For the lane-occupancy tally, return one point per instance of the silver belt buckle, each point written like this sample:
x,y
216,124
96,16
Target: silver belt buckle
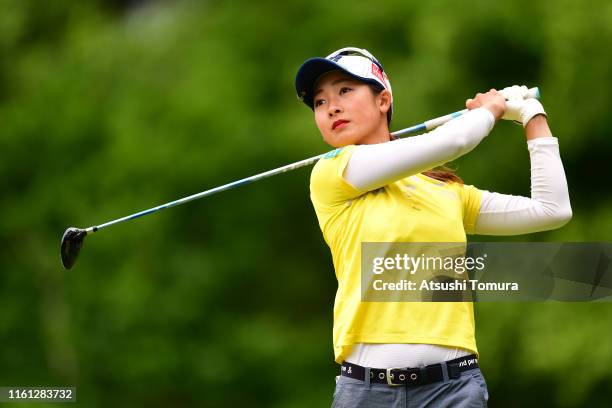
x,y
389,376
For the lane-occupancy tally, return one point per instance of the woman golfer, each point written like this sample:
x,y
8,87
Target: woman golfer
x,y
398,354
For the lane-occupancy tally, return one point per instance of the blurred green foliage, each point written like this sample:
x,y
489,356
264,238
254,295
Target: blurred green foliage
x,y
107,108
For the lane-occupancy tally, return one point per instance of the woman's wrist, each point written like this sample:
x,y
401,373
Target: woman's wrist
x,y
496,109
537,127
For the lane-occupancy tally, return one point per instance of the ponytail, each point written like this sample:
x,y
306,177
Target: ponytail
x,y
443,173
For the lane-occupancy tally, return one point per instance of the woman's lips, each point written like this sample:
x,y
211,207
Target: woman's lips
x,y
339,123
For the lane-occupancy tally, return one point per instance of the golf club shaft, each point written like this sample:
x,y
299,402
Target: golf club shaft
x,y
434,123
425,126
288,167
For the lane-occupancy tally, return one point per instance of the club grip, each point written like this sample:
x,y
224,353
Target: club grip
x,y
533,93
528,93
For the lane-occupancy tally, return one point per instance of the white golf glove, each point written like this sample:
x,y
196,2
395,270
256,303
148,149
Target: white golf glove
x,y
518,108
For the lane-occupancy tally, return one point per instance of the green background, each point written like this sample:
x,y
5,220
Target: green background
x,y
107,108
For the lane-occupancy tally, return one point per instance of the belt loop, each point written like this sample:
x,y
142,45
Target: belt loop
x,y
424,374
444,372
367,377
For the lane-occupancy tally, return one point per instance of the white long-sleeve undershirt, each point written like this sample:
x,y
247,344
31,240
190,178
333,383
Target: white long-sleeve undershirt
x,y
547,208
376,165
402,355
373,166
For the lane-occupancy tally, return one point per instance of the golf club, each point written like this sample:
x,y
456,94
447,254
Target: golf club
x,y
72,240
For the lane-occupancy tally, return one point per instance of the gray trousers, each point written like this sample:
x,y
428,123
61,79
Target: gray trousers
x,y
467,391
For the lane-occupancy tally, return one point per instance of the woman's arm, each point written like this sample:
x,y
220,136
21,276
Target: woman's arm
x,y
376,165
549,205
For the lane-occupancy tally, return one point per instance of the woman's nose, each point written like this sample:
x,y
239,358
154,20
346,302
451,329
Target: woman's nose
x,y
334,108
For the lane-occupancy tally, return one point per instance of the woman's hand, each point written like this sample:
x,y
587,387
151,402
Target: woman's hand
x,y
492,100
518,108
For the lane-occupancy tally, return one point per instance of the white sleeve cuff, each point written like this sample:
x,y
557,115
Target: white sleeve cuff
x,y
490,116
548,140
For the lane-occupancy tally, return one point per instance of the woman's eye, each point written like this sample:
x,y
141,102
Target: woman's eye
x,y
345,89
318,102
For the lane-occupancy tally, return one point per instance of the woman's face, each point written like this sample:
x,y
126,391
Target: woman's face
x,y
348,112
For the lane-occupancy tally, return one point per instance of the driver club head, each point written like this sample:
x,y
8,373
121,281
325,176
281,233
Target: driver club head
x,y
72,241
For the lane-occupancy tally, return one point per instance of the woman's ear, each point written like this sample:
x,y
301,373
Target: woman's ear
x,y
384,101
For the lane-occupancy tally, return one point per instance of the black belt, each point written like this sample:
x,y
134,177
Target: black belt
x,y
411,376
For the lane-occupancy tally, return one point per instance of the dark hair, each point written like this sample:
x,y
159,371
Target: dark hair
x,y
441,173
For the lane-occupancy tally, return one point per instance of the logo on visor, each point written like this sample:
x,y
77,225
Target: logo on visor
x,y
378,73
